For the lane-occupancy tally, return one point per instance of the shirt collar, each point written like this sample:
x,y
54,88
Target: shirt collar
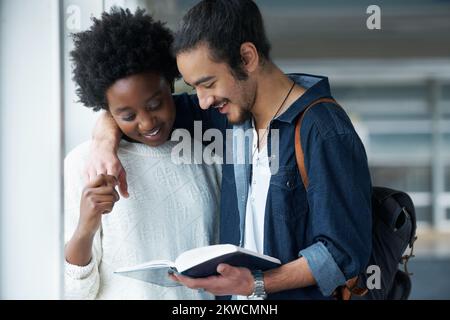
x,y
316,87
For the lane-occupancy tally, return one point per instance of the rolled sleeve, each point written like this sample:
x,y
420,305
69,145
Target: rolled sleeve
x,y
339,198
79,272
323,267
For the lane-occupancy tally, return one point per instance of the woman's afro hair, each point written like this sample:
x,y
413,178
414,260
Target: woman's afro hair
x,y
118,45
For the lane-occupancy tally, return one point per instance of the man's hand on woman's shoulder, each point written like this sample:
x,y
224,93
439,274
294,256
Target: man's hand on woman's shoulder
x,y
103,153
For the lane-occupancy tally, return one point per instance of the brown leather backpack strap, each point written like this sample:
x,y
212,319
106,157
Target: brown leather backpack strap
x,y
298,140
350,288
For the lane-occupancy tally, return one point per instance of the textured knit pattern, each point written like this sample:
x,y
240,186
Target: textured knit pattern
x,y
171,208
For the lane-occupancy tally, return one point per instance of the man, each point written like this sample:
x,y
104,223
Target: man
x,y
322,235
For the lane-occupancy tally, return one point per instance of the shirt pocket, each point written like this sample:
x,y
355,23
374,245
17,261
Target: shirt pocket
x,y
287,195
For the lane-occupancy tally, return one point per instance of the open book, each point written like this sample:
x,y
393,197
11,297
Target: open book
x,y
197,263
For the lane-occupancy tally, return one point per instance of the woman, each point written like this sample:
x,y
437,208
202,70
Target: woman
x,y
123,64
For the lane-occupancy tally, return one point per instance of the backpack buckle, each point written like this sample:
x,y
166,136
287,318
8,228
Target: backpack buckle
x,y
405,259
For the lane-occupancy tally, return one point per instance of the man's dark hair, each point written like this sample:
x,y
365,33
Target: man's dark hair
x,y
118,45
223,25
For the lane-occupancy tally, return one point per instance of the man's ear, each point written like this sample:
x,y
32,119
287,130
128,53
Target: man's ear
x,y
250,57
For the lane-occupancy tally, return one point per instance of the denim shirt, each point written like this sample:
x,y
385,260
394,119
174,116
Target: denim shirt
x,y
330,224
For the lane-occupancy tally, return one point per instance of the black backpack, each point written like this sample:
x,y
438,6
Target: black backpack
x,y
393,230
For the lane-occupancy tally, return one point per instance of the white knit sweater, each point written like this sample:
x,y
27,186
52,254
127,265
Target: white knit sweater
x,y
171,208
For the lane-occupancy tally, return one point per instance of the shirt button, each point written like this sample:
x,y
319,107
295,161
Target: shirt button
x,y
289,184
253,199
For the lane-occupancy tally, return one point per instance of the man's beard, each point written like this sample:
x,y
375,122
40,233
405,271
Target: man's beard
x,y
243,115
243,110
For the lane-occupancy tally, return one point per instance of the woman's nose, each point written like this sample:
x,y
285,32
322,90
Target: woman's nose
x,y
146,124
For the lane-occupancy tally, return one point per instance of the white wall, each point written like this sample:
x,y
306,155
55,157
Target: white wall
x,y
30,150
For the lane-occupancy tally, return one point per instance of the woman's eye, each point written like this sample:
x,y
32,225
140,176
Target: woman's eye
x,y
154,104
129,117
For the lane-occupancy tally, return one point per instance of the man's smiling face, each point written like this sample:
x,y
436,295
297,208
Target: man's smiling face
x,y
215,84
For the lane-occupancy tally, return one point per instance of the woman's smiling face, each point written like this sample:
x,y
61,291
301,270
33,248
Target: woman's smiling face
x,y
142,107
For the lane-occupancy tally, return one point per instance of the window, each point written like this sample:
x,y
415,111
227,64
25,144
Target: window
x,y
410,179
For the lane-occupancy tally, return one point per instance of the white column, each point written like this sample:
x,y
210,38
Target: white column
x,y
30,150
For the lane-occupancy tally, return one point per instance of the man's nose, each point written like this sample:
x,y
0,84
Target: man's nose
x,y
205,99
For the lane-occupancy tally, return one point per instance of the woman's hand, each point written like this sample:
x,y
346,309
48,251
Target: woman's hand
x,y
98,198
103,154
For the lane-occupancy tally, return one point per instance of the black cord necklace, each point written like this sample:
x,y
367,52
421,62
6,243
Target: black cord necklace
x,y
274,116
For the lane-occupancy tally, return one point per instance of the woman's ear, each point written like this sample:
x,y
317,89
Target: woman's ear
x,y
249,56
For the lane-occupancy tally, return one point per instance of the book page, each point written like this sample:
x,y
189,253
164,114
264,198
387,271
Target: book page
x,y
203,261
155,272
196,256
146,265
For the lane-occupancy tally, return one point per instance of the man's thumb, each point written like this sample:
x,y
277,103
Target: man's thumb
x,y
224,269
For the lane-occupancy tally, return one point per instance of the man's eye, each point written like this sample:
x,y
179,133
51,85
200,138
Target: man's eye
x,y
129,117
209,86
